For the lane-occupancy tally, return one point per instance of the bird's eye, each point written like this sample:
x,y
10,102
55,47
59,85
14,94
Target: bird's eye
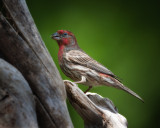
x,y
65,34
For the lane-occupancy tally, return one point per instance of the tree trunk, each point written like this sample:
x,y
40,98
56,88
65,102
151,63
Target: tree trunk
x,y
22,46
17,106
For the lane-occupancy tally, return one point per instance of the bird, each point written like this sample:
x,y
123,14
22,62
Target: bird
x,y
81,68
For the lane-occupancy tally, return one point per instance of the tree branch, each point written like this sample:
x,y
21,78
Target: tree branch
x,y
96,111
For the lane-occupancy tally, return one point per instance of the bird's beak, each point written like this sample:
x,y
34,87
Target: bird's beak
x,y
55,36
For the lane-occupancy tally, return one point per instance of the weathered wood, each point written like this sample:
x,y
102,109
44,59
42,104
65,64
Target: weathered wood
x,y
20,15
96,111
24,49
17,106
44,120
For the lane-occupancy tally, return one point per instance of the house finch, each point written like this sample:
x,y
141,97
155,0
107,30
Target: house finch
x,y
80,67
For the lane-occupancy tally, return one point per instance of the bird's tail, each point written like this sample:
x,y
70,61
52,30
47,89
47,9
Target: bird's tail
x,y
122,87
115,83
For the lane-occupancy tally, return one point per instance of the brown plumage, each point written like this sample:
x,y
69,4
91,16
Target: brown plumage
x,y
80,67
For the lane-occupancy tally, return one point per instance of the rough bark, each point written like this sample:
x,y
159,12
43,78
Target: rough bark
x,y
23,47
17,106
96,111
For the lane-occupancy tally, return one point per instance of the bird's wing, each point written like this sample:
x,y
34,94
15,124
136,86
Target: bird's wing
x,y
81,58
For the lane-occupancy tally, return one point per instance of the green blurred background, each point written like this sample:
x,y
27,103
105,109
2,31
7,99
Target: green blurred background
x,y
122,35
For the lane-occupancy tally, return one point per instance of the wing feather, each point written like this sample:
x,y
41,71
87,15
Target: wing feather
x,y
81,58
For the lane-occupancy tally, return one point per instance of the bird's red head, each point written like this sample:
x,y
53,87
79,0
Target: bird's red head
x,y
66,41
65,38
